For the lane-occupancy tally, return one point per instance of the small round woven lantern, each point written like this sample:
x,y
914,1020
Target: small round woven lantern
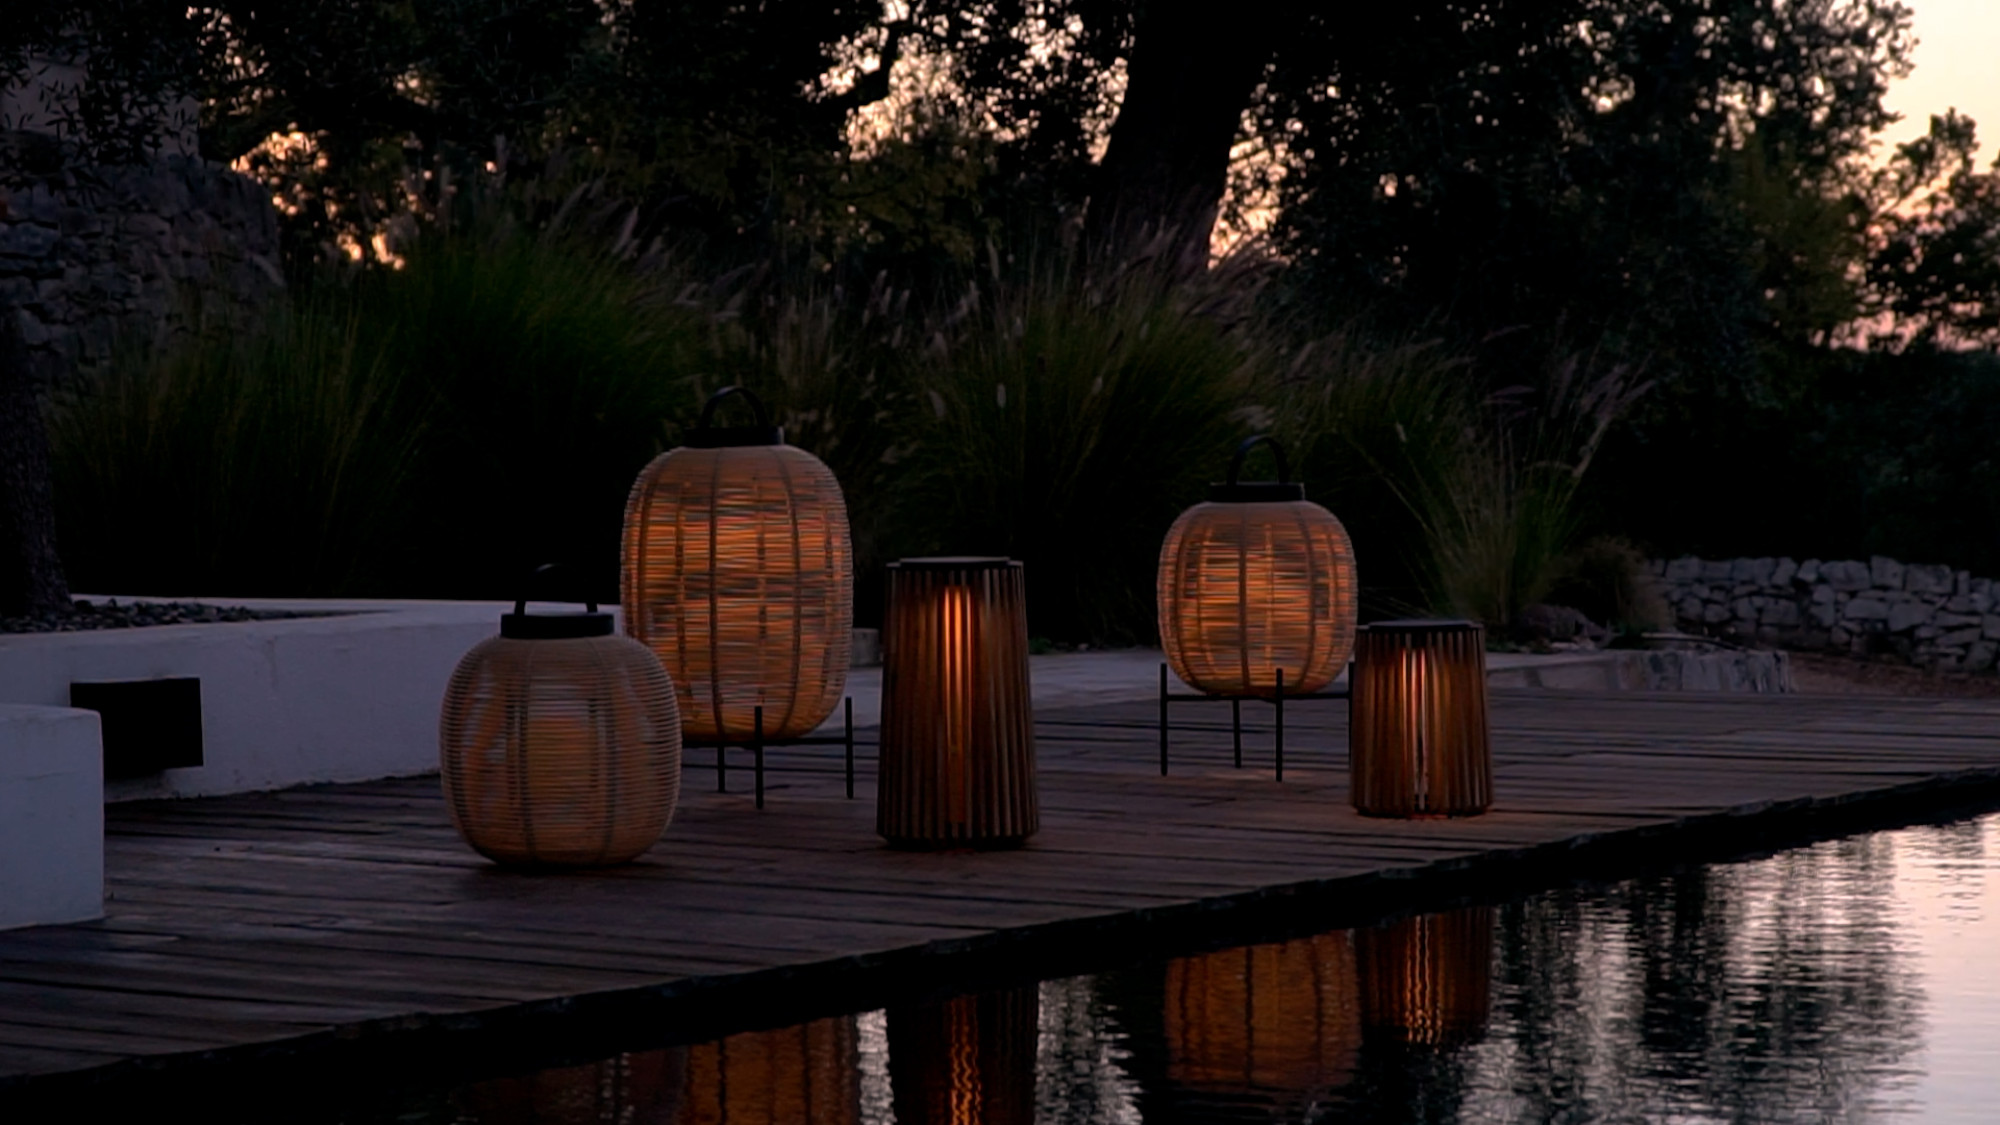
x,y
1254,582
958,731
1417,737
737,571
559,743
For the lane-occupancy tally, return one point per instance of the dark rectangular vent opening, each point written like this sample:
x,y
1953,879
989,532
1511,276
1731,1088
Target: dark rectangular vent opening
x,y
149,725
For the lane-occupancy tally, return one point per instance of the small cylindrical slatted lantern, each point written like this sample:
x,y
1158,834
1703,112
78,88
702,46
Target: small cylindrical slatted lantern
x,y
1427,979
810,1072
560,743
967,1061
958,734
1274,1026
1256,583
1417,737
738,572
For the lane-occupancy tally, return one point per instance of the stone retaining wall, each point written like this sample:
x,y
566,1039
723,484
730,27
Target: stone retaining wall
x,y
89,253
1930,616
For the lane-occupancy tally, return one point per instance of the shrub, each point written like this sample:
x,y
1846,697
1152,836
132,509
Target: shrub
x,y
432,431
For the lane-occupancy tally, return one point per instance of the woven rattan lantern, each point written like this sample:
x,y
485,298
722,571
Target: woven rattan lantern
x,y
1254,583
559,743
738,573
967,1061
1417,739
1274,1026
1428,979
958,734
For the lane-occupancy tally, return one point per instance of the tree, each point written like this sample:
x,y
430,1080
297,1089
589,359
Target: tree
x,y
1934,265
1190,79
31,573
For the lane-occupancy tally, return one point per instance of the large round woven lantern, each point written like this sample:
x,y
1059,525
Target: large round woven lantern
x,y
1256,583
739,574
559,743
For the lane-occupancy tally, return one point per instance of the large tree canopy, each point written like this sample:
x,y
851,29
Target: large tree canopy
x,y
1684,180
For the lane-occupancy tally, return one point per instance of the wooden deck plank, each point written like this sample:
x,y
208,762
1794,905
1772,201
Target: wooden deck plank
x,y
257,918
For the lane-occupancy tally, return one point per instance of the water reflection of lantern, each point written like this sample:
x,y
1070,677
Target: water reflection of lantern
x,y
1277,1024
1418,743
967,1061
635,1089
559,743
804,1075
738,573
958,734
1428,979
1256,581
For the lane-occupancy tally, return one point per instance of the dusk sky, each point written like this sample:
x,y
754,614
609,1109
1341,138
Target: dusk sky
x,y
1958,66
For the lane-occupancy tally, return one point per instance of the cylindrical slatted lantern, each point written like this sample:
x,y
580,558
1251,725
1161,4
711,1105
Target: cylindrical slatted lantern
x,y
958,734
559,743
739,574
967,1061
1256,582
810,1073
1276,1026
1417,738
1428,979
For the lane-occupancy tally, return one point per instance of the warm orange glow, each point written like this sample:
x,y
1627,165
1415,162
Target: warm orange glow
x,y
1418,740
967,1061
1273,1022
956,617
958,739
1428,979
738,574
809,1073
1248,589
561,752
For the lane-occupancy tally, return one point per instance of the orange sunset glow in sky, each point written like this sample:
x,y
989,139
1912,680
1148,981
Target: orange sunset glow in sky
x,y
1957,67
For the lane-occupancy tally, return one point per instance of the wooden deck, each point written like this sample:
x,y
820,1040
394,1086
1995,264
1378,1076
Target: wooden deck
x,y
300,924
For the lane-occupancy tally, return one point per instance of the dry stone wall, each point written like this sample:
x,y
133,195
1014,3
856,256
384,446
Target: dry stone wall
x,y
89,253
1931,616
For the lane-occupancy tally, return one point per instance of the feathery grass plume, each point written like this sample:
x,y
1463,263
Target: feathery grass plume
x,y
1379,426
430,430
1501,528
1065,420
274,462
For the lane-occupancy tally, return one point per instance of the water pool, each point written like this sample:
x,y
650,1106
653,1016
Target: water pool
x,y
1855,980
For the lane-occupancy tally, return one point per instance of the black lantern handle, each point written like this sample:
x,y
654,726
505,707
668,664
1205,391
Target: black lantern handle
x,y
715,400
521,603
1277,454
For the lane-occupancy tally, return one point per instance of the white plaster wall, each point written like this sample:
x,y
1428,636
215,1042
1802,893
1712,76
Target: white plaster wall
x,y
51,816
284,702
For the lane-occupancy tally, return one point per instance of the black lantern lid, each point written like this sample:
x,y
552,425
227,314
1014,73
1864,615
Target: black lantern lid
x,y
521,625
954,562
707,435
1421,625
1279,491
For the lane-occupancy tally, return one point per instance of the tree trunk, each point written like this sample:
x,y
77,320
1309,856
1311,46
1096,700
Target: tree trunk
x,y
1192,72
31,574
